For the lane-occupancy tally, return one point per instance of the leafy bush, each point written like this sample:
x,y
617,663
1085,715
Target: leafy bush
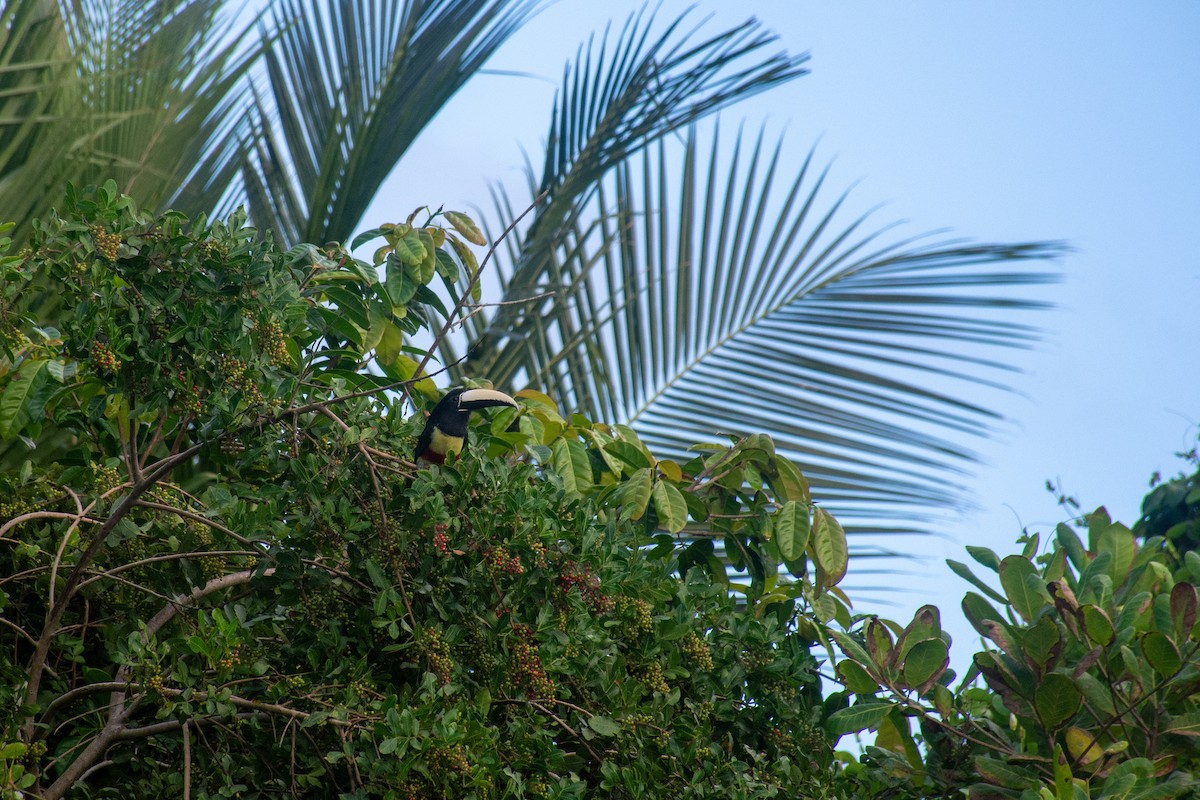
x,y
1091,686
223,576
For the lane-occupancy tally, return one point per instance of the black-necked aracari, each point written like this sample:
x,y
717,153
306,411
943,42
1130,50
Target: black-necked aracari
x,y
446,429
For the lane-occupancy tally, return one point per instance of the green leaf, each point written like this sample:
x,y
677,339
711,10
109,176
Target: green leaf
x,y
1097,625
984,556
1161,653
829,546
925,663
635,494
1056,700
1042,643
399,282
410,250
12,750
24,398
631,454
1020,578
604,726
787,481
855,677
978,610
1001,774
571,462
1118,540
466,227
791,530
963,571
858,717
1070,542
670,506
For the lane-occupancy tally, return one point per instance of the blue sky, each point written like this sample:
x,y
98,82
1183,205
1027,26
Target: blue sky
x,y
1000,122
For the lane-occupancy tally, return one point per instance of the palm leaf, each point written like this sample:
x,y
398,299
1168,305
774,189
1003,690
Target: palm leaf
x,y
696,296
352,85
144,93
619,95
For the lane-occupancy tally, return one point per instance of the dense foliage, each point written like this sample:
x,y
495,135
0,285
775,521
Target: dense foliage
x,y
222,576
1091,681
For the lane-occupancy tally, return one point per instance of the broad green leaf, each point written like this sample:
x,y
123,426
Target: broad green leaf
x,y
926,624
670,507
1161,653
1056,700
635,494
1118,540
604,726
829,546
13,750
24,398
405,368
571,462
787,481
466,227
399,281
1019,578
1042,643
629,453
858,717
791,530
925,663
855,677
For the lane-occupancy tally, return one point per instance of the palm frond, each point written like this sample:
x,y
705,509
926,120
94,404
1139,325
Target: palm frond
x,y
352,85
704,294
620,94
141,92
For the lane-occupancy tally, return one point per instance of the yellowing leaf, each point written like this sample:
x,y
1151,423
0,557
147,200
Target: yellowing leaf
x,y
466,227
635,494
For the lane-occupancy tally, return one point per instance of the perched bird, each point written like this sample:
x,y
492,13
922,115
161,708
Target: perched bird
x,y
446,429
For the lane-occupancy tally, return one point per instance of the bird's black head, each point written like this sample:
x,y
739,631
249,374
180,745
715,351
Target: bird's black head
x,y
446,429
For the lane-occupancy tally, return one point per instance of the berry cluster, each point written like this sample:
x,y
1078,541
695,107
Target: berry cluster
x,y
270,341
440,542
639,609
587,583
499,562
528,672
104,478
696,650
449,760
435,649
296,683
231,659
652,676
103,359
236,376
107,244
